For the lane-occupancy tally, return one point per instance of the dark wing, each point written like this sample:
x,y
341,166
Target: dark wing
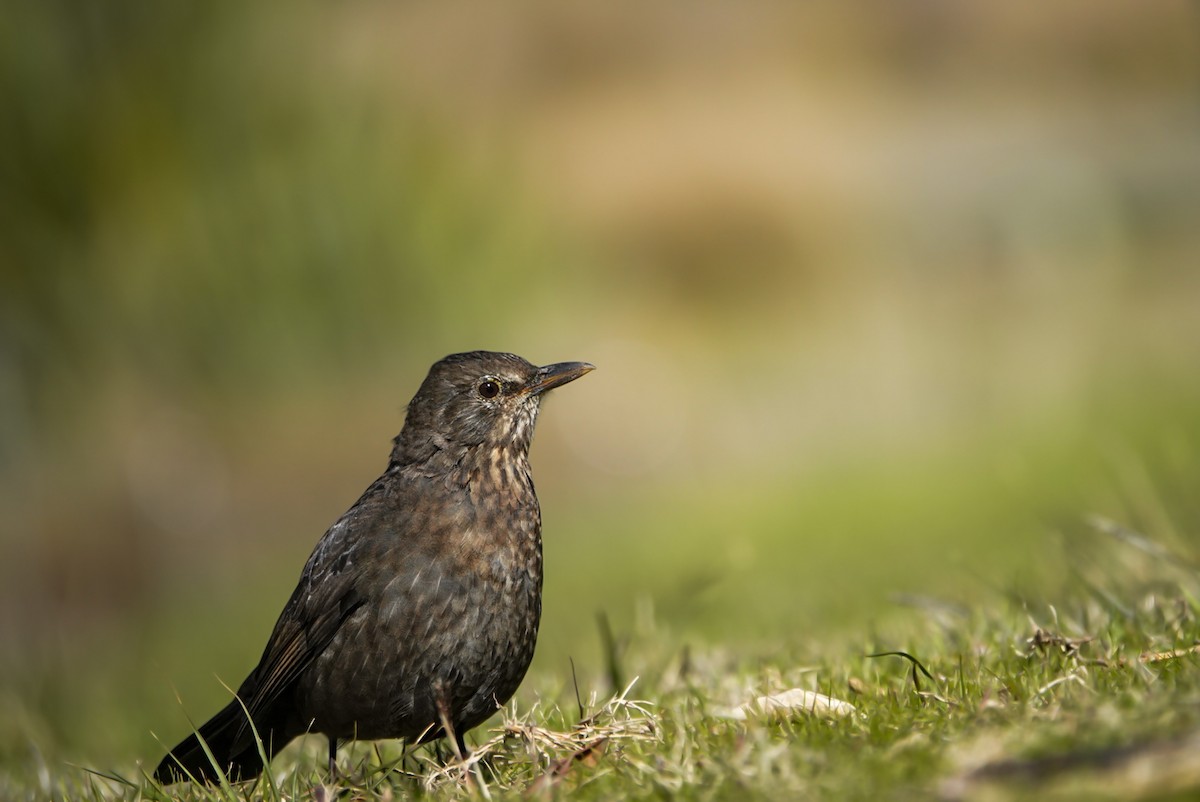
x,y
325,598
319,606
294,644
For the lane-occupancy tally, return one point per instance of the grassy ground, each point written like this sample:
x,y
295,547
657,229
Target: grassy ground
x,y
1090,690
884,306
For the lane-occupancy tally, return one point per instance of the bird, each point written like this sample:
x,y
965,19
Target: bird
x,y
417,613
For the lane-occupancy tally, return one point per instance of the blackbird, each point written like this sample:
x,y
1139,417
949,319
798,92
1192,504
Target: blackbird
x,y
417,613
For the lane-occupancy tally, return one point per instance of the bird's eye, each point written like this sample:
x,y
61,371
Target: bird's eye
x,y
489,388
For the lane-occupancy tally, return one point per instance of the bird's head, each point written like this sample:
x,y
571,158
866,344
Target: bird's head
x,y
477,398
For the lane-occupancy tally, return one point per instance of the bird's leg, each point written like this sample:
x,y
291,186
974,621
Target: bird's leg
x,y
443,707
332,759
461,746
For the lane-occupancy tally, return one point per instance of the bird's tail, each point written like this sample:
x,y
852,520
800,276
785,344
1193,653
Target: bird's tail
x,y
230,739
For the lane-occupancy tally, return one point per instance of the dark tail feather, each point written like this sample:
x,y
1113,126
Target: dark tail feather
x,y
234,750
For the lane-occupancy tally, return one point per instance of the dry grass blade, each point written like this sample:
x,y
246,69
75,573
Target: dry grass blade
x,y
522,754
589,756
1173,654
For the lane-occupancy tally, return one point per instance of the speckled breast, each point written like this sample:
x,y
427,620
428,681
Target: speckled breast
x,y
455,622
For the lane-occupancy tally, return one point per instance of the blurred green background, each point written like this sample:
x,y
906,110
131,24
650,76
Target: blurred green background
x,y
883,302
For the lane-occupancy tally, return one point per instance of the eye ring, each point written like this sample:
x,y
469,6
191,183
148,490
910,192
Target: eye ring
x,y
488,388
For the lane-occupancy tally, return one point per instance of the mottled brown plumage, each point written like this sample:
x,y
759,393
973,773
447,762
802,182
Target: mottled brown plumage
x,y
420,606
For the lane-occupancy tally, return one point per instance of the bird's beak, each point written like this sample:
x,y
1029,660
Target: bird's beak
x,y
555,375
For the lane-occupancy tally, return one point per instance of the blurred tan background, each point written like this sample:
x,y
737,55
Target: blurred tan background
x,y
884,300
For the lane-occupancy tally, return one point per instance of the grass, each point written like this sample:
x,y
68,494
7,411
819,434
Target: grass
x,y
1090,690
243,253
